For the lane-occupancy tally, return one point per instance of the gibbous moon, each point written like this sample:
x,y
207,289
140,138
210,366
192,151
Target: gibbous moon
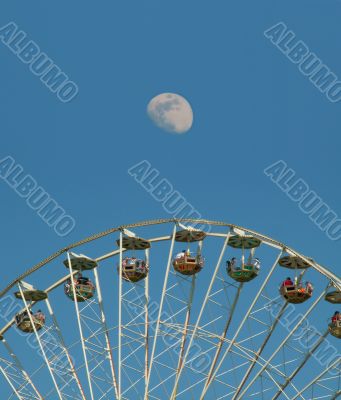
x,y
171,112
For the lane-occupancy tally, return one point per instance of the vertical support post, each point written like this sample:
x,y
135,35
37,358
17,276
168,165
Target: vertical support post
x,y
39,342
20,367
106,331
120,321
283,343
61,339
241,325
160,310
80,326
221,255
10,383
146,330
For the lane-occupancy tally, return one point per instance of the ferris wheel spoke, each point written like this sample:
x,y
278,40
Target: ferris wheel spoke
x,y
241,324
16,381
319,379
43,351
203,374
301,365
260,351
175,325
21,377
181,329
64,348
304,317
278,385
94,338
105,331
157,327
213,337
206,299
185,328
6,374
132,330
168,358
170,377
134,337
146,321
238,350
223,336
80,328
120,319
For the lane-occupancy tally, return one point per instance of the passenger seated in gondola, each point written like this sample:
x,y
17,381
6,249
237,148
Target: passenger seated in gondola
x,y
336,317
309,287
40,316
79,279
23,317
181,255
233,264
288,282
256,263
82,280
140,266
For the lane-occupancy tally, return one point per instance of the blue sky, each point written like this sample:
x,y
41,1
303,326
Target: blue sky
x,y
252,107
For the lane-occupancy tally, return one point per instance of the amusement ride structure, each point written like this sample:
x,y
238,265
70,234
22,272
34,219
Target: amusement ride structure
x,y
172,309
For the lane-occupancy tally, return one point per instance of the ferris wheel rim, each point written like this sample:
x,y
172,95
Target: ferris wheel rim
x,y
325,271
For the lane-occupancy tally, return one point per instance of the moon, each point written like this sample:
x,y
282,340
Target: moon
x,y
171,112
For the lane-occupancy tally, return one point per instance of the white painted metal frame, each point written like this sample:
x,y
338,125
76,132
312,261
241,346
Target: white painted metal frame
x,y
40,344
304,317
185,331
18,365
221,255
160,311
241,324
80,327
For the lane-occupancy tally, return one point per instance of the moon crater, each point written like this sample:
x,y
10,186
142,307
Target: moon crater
x,y
171,112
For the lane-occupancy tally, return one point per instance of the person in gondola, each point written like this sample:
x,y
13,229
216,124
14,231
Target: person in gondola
x,y
288,282
68,283
234,264
40,316
140,266
256,263
18,318
23,317
336,317
182,254
82,280
309,287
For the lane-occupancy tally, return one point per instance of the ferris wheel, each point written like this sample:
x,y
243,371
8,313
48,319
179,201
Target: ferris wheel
x,y
172,309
